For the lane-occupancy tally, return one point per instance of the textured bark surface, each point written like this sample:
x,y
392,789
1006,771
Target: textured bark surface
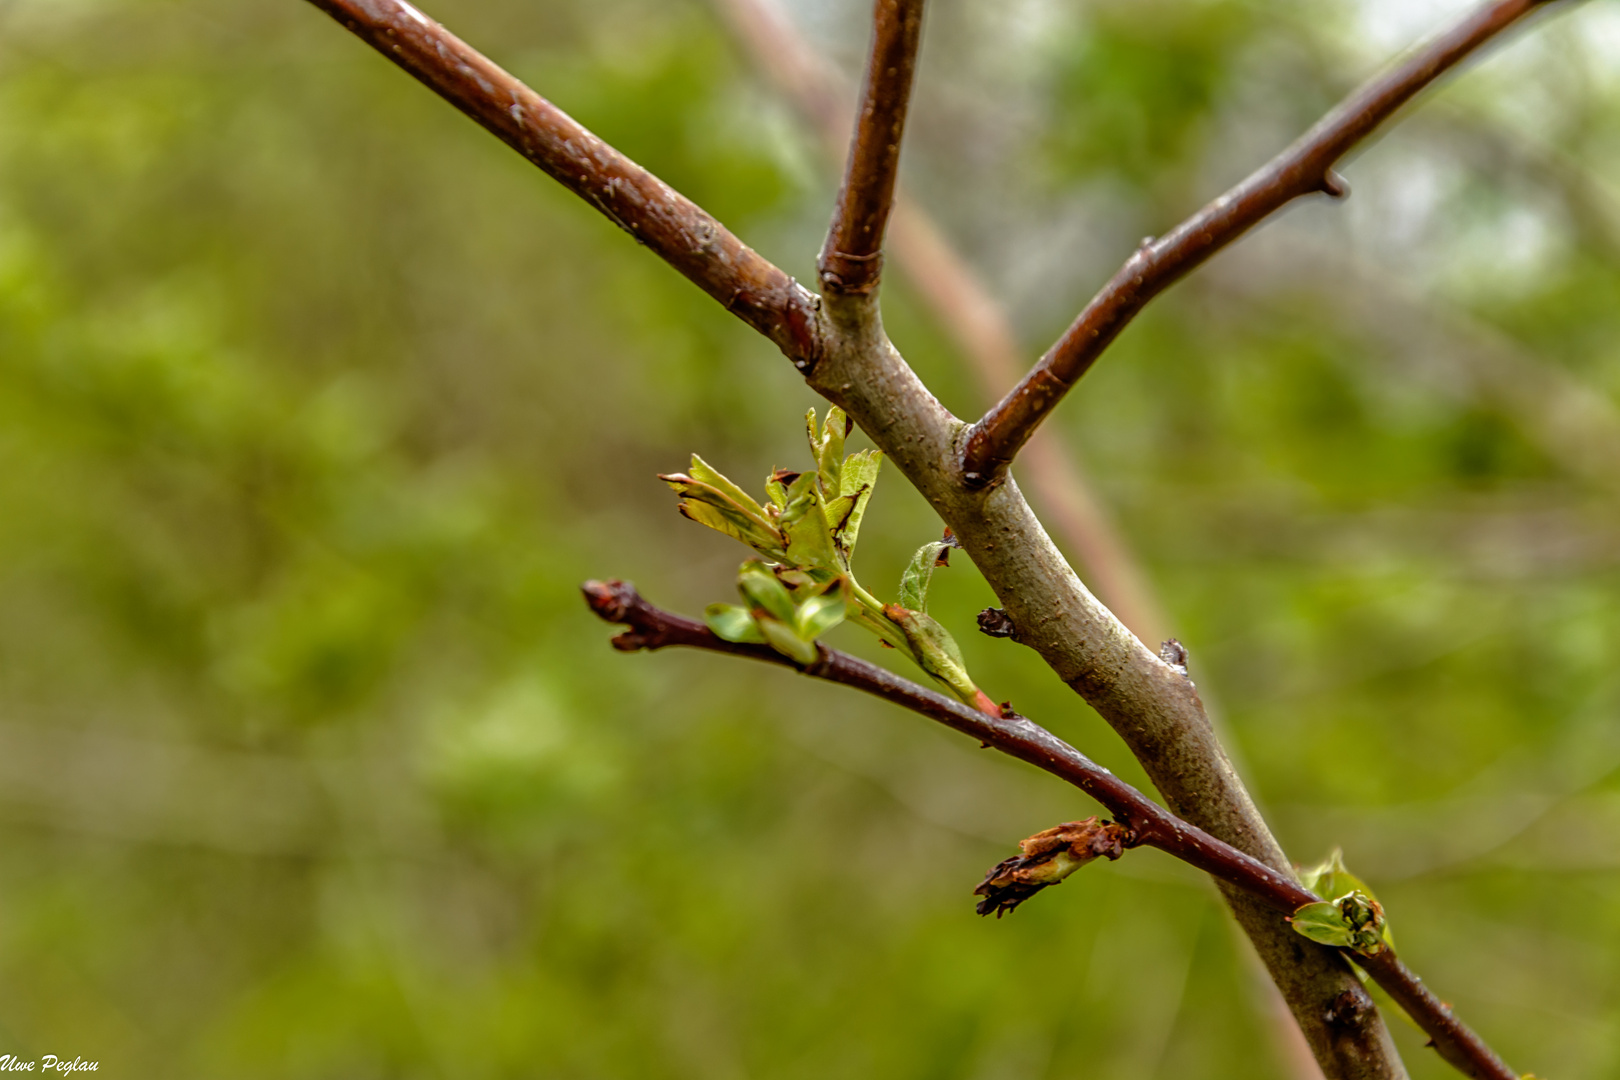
x,y
1152,707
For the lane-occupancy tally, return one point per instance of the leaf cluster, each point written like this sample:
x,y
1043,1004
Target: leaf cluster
x,y
805,534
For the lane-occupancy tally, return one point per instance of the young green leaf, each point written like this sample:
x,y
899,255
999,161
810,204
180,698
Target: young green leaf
x,y
776,486
705,473
858,479
800,496
707,504
829,452
935,651
763,592
733,624
781,637
809,541
1322,922
919,575
820,614
767,542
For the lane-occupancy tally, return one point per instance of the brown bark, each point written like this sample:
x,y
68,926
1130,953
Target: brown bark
x,y
852,259
1138,820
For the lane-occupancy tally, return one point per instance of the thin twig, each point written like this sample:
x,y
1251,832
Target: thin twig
x,y
852,258
673,227
974,319
1304,168
1147,823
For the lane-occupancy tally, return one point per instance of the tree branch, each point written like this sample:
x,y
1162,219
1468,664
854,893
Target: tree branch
x,y
967,311
672,226
1304,168
848,359
1146,823
852,258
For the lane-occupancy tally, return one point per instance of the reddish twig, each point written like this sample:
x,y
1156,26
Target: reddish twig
x,y
1147,824
1304,168
852,258
672,226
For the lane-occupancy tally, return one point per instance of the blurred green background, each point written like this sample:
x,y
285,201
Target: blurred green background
x,y
316,405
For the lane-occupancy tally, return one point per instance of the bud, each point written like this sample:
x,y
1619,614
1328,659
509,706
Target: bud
x,y
1048,857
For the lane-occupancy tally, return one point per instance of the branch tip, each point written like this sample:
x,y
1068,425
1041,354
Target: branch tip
x,y
611,600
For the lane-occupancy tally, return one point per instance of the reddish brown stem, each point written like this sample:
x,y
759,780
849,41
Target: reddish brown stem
x,y
1304,168
852,258
672,226
1149,824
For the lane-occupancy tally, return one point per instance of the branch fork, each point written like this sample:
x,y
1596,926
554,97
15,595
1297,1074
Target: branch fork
x,y
840,347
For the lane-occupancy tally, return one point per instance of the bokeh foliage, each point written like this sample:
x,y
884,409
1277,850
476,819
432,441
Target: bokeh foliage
x,y
316,404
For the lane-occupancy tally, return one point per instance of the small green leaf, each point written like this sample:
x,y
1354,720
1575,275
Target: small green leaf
x,y
809,541
735,525
860,471
919,575
776,486
829,452
1322,922
705,473
935,651
799,498
763,592
838,511
820,614
1352,921
733,624
709,505
780,636
859,478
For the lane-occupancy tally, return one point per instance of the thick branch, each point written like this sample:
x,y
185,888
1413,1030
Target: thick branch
x,y
675,228
852,258
1304,168
1148,824
1155,710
